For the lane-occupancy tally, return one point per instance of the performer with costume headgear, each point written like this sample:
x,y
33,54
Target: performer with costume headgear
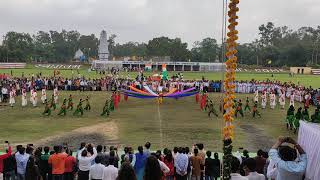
x,y
106,109
53,103
88,106
79,108
43,95
47,110
272,100
56,95
247,107
12,99
70,103
24,100
239,109
282,99
255,110
63,109
34,98
264,100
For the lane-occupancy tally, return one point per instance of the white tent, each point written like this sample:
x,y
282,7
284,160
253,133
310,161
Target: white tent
x,y
309,139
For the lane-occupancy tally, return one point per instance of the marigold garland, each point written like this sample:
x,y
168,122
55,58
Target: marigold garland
x,y
231,65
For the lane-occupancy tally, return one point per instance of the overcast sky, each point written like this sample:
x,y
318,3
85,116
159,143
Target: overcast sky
x,y
141,20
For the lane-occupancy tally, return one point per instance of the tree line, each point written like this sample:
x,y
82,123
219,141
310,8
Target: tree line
x,y
276,46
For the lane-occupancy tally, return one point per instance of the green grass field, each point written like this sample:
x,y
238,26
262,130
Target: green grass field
x,y
174,123
306,80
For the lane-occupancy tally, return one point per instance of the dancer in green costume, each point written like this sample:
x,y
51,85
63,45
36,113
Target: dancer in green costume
x,y
111,106
70,103
239,108
290,117
255,110
106,109
305,114
63,110
79,108
88,106
247,107
212,110
47,110
53,103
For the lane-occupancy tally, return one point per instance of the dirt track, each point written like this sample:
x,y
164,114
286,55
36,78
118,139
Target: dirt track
x,y
103,133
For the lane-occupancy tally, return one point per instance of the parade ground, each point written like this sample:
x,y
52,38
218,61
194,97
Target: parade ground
x,y
175,122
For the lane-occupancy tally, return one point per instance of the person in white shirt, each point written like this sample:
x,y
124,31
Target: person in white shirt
x,y
96,170
110,172
235,165
250,165
85,162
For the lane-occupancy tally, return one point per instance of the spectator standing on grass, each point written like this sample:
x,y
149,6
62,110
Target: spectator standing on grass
x,y
202,154
140,163
85,162
250,166
44,165
70,165
152,170
261,161
181,163
196,163
21,160
32,170
126,172
9,165
147,149
285,159
101,155
235,165
57,162
110,172
5,156
96,170
168,160
212,167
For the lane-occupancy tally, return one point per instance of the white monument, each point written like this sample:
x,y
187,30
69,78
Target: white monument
x,y
103,51
102,62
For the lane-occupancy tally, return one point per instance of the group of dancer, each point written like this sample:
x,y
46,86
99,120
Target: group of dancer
x,y
110,105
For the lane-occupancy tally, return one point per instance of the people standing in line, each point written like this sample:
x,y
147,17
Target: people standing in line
x,y
57,162
212,166
85,162
139,165
110,172
181,163
44,165
96,170
21,159
196,163
126,172
70,164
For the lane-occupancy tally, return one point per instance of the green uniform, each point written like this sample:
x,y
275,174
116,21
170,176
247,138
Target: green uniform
x,y
79,109
63,110
298,117
290,118
255,110
212,110
247,107
70,103
315,118
239,109
207,106
111,106
106,109
88,106
53,104
305,114
47,110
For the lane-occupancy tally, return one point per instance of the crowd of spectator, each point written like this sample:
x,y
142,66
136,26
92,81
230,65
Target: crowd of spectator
x,y
285,160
